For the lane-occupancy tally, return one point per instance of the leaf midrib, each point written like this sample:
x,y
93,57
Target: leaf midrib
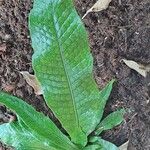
x,y
64,66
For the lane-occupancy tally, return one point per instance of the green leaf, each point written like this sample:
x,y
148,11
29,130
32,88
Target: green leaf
x,y
104,145
93,147
110,121
104,94
36,122
63,65
13,134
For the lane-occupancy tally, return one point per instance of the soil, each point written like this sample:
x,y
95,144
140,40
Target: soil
x,y
121,31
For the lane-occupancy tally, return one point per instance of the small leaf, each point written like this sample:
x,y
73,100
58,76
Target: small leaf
x,y
110,121
105,145
98,6
33,82
141,69
124,146
104,95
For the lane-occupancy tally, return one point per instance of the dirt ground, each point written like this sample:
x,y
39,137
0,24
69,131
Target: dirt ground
x,y
121,31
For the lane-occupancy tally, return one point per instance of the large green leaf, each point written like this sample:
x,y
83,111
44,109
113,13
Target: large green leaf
x,y
63,65
34,121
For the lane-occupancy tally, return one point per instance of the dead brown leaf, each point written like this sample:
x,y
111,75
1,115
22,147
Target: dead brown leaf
x,y
98,6
141,69
124,146
33,82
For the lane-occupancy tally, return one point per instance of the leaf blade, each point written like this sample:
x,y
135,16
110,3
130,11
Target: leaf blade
x,y
105,145
20,138
141,69
110,121
63,65
104,94
36,121
98,6
32,81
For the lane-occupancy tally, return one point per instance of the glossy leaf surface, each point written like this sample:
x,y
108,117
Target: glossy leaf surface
x,y
31,124
63,65
15,135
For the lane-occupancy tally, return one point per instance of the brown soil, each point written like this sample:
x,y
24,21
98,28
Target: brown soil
x,y
121,31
